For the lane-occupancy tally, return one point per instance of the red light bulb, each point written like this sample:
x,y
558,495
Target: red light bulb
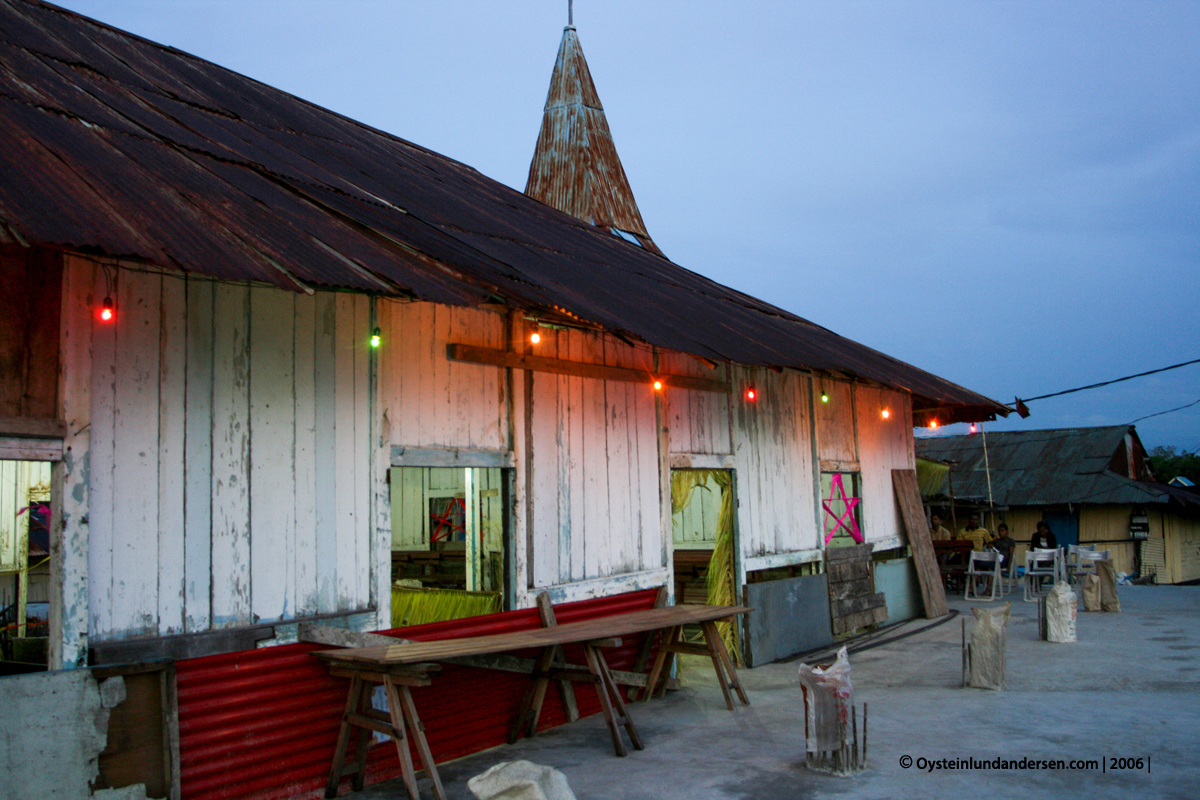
x,y
751,395
107,312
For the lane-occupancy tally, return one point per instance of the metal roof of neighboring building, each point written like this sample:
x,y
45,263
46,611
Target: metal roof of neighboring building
x,y
118,146
1046,467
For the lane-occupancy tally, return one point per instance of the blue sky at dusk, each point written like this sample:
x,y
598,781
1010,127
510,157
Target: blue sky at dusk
x,y
1005,194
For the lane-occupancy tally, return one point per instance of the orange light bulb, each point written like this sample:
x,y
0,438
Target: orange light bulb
x,y
885,413
535,337
933,423
658,386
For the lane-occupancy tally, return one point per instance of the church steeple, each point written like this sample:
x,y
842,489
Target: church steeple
x,y
575,165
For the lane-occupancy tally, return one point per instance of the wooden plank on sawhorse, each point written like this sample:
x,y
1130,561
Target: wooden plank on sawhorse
x,y
713,647
908,495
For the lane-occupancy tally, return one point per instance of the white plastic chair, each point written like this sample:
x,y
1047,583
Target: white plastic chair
x,y
1039,565
1076,554
983,564
1086,564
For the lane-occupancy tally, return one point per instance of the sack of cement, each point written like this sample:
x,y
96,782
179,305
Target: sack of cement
x,y
521,780
1091,593
1061,607
827,699
987,647
1108,586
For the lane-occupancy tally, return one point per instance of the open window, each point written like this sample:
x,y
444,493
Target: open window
x,y
449,543
24,565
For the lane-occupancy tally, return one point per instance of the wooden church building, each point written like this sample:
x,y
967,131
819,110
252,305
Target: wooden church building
x,y
287,367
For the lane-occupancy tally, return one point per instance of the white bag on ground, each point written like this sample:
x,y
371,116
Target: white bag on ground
x,y
987,647
520,780
1061,608
829,698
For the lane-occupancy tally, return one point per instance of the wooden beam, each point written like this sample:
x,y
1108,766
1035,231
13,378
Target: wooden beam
x,y
33,428
908,495
342,637
559,366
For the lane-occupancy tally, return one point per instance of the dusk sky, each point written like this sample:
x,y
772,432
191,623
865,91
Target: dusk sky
x,y
1004,194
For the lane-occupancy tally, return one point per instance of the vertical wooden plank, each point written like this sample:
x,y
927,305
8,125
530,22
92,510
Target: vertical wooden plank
x,y
70,490
345,452
100,506
272,453
544,493
364,554
172,422
572,426
230,575
325,479
518,543
304,556
198,439
379,447
135,457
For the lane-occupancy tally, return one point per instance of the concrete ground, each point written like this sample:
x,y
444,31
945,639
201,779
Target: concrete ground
x,y
1129,688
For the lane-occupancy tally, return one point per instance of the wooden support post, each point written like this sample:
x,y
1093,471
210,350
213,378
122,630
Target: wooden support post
x,y
339,750
546,611
666,642
713,637
643,656
418,731
395,711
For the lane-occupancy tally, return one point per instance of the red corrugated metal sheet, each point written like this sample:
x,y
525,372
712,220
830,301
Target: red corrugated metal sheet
x,y
262,723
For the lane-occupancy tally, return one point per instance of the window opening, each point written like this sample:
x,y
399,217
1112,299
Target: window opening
x,y
25,514
841,508
449,543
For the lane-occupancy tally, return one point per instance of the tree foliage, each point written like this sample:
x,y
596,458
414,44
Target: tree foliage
x,y
1168,462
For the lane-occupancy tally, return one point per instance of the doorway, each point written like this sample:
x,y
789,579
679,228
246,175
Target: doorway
x,y
703,536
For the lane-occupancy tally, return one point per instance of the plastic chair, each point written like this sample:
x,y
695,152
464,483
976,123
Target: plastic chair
x,y
1076,553
1010,574
983,564
1039,565
1086,563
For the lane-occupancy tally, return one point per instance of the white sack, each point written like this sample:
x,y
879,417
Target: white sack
x,y
829,697
987,647
520,780
1061,607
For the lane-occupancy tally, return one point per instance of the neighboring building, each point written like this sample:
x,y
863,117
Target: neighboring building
x,y
291,360
1091,485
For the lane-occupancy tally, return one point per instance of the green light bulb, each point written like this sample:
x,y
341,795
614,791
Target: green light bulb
x,y
376,338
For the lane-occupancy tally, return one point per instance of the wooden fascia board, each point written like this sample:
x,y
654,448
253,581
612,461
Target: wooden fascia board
x,y
559,366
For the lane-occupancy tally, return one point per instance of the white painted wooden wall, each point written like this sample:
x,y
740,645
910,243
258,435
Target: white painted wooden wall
x,y
229,455
883,445
773,457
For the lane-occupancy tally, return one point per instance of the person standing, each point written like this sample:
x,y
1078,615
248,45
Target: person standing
x,y
978,536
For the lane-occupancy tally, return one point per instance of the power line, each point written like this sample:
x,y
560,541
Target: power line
x,y
1168,411
1115,380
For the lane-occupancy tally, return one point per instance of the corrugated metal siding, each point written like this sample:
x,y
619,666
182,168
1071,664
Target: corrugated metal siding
x,y
263,723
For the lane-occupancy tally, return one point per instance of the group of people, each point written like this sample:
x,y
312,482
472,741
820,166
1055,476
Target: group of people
x,y
1000,541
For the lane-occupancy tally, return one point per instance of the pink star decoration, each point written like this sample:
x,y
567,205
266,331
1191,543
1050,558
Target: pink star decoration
x,y
846,520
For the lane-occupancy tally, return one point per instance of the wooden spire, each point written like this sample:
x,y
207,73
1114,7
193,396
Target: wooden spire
x,y
575,165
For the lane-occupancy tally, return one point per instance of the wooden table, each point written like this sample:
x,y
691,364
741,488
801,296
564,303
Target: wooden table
x,y
952,556
403,665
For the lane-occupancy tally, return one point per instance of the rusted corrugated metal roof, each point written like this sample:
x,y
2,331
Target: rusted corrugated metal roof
x,y
119,146
575,166
1045,467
